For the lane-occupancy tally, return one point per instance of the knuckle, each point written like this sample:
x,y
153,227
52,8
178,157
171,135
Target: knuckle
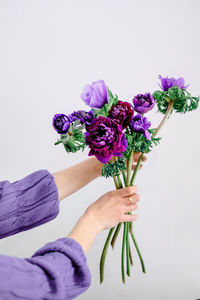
x,y
132,189
136,197
128,219
134,217
135,188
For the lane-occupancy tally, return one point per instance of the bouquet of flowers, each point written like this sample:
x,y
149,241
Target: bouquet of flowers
x,y
113,130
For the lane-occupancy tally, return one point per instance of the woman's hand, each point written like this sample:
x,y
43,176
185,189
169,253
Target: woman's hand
x,y
109,210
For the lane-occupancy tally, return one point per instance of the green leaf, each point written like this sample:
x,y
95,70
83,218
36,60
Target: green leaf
x,y
161,101
105,109
113,168
74,141
175,93
183,101
138,143
154,140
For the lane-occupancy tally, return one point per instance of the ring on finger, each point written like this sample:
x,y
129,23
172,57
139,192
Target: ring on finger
x,y
130,200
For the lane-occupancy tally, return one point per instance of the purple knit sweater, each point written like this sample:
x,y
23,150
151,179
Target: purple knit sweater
x,y
57,271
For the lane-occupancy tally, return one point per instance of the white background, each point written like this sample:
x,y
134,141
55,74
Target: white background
x,y
48,51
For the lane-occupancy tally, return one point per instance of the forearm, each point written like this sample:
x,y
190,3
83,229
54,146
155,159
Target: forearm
x,y
72,179
85,231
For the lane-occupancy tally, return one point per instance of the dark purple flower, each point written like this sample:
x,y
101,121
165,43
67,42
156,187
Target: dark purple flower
x,y
96,94
84,116
167,83
105,139
121,113
141,124
143,103
61,123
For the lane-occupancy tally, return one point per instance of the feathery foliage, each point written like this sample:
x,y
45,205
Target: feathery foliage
x,y
74,140
113,168
183,101
138,143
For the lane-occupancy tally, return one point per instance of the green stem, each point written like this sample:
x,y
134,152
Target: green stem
x,y
103,255
119,182
126,225
115,235
136,245
136,168
124,177
130,255
127,250
118,185
129,169
105,110
130,229
116,182
169,109
117,230
122,255
131,226
138,251
105,248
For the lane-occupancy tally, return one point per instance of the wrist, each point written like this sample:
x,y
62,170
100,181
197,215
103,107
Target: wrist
x,y
85,231
90,218
97,166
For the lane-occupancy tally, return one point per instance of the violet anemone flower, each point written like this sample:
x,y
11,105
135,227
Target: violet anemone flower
x,y
61,123
167,83
96,94
140,124
143,103
84,116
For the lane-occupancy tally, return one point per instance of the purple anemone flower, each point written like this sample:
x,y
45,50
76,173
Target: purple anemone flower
x,y
143,103
84,116
96,94
167,83
61,123
105,139
140,124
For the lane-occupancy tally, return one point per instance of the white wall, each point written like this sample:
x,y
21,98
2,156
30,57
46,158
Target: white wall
x,y
48,51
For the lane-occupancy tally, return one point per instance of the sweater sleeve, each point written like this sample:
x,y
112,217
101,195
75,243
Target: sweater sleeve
x,y
58,271
28,202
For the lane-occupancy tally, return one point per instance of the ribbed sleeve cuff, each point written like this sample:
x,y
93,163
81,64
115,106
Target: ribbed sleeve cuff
x,y
69,272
